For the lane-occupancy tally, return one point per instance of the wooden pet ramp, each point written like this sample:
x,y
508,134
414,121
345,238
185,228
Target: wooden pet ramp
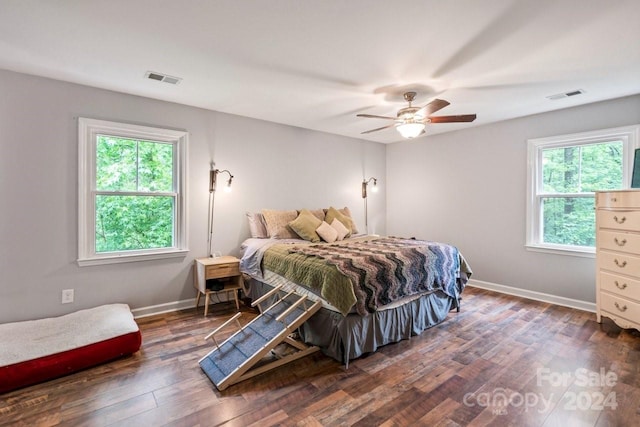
x,y
232,361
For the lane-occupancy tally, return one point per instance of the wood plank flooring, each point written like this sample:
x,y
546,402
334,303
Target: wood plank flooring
x,y
501,361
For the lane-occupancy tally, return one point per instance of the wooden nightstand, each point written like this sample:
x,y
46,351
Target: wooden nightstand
x,y
223,267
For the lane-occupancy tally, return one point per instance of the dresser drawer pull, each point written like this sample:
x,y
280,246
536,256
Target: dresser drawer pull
x,y
620,264
621,220
620,242
623,308
619,286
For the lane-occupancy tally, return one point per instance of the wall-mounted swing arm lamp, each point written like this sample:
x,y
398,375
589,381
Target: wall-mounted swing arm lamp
x,y
364,186
374,189
213,179
213,183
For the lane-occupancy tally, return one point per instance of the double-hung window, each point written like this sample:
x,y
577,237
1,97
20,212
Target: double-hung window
x,y
564,172
132,192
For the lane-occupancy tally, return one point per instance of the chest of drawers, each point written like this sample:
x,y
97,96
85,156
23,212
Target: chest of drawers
x,y
618,257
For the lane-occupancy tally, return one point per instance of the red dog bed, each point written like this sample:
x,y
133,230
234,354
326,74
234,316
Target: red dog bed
x,y
39,350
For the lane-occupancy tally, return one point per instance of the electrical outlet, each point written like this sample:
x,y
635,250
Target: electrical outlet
x,y
67,296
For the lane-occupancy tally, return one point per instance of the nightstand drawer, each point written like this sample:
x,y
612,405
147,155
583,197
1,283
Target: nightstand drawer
x,y
619,241
222,270
620,285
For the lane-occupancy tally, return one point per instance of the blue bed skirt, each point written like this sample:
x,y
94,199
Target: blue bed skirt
x,y
344,338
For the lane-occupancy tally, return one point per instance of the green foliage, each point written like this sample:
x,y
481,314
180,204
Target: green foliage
x,y
569,221
574,170
129,165
585,168
143,220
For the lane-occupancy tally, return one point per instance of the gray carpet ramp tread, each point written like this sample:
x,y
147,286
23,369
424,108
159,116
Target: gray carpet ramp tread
x,y
233,353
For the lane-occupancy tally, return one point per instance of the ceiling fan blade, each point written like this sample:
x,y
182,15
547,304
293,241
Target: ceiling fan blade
x,y
432,107
375,130
373,116
453,119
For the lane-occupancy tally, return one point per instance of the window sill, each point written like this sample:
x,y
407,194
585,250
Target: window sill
x,y
576,251
117,259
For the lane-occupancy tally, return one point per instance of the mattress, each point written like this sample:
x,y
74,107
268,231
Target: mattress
x,y
365,273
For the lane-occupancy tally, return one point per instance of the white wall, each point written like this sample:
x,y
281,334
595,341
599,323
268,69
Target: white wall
x,y
468,188
275,166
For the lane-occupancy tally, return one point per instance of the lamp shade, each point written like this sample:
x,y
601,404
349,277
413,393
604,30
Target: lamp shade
x,y
410,129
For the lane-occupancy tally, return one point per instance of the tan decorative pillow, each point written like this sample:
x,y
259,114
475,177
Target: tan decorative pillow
x,y
340,229
277,223
257,227
347,212
318,213
327,232
305,226
333,213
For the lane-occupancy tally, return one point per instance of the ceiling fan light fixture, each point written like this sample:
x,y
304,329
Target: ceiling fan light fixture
x,y
410,129
411,121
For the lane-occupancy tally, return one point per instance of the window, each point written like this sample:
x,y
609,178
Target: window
x,y
564,173
132,199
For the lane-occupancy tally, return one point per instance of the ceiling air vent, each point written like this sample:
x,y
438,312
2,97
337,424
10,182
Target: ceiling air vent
x,y
162,78
566,94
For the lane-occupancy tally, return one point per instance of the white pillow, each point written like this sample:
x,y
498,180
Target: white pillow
x,y
327,232
257,227
340,229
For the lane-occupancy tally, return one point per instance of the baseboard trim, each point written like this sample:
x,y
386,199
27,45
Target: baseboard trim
x,y
163,308
509,290
536,296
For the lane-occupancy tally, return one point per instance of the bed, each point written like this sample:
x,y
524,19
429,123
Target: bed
x,y
374,290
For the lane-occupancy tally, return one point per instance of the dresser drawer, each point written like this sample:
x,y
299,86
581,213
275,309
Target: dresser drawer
x,y
222,270
618,199
619,263
619,241
620,285
619,306
618,220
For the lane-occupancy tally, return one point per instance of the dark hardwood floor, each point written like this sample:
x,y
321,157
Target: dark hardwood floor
x,y
501,361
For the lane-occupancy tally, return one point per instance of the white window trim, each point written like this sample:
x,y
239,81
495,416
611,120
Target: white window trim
x,y
630,137
88,129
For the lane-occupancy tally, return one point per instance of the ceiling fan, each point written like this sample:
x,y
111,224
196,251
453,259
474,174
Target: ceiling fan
x,y
411,121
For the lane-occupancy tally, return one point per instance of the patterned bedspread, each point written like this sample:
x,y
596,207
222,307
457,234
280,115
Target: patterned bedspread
x,y
371,272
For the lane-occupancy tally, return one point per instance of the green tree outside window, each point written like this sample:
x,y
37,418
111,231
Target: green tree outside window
x,y
135,200
570,175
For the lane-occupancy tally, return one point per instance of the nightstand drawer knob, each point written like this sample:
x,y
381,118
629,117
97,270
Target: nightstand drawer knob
x,y
623,308
619,286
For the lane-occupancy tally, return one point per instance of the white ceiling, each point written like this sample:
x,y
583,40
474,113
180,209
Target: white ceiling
x,y
316,64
